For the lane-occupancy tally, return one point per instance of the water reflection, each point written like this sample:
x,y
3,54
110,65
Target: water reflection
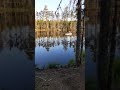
x,y
17,44
21,38
17,58
54,50
49,42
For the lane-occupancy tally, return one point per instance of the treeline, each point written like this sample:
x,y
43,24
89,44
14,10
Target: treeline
x,y
57,25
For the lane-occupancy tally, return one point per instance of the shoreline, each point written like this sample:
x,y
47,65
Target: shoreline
x,y
71,78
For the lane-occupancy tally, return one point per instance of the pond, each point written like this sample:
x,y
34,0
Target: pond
x,y
16,60
54,50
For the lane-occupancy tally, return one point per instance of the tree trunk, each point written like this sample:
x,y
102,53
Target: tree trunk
x,y
112,46
103,59
82,40
78,62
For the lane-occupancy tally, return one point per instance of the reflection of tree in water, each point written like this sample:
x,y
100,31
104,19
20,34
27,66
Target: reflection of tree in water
x,y
58,42
47,48
21,40
65,44
74,46
52,42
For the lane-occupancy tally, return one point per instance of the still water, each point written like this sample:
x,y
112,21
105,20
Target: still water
x,y
54,50
16,59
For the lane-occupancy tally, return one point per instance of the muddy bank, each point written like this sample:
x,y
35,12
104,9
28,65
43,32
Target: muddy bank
x,y
60,79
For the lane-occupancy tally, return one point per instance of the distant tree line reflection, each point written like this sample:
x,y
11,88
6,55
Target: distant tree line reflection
x,y
18,37
48,42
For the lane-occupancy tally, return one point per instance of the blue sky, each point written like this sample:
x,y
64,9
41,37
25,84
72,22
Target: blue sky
x,y
52,4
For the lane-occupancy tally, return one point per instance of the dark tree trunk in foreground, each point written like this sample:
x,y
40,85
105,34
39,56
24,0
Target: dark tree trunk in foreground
x,y
78,61
103,59
112,45
82,41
